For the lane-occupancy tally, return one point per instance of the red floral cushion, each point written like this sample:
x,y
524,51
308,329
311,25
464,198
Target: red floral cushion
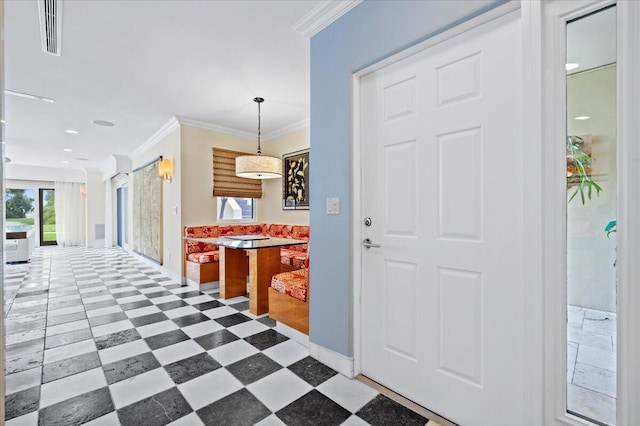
x,y
206,257
294,284
278,231
292,257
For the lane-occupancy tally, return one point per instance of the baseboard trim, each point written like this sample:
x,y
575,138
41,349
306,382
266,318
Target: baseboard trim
x,y
341,363
292,334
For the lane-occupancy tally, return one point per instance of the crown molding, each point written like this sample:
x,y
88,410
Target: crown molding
x,y
321,16
303,124
163,131
215,128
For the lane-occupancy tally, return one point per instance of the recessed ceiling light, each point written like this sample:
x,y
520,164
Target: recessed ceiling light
x,y
67,150
65,162
28,96
82,159
571,67
103,123
71,131
582,117
3,121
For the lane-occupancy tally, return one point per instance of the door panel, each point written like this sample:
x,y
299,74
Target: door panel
x,y
441,180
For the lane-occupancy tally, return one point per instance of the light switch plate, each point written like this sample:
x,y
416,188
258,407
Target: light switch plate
x,y
333,205
174,210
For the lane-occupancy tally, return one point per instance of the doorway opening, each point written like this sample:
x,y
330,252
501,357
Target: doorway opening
x,y
47,216
591,216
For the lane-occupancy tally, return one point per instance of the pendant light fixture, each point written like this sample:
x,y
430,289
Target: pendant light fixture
x,y
258,166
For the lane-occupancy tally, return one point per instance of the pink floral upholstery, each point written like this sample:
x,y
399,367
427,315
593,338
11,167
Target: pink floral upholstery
x,y
200,252
294,284
206,257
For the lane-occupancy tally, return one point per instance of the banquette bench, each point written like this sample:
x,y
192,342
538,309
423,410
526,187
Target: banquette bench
x,y
202,259
289,298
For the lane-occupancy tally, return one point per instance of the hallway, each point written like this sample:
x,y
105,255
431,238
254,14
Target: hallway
x,y
96,336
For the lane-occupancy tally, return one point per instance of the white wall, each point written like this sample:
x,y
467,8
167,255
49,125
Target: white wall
x,y
95,205
270,206
52,174
590,254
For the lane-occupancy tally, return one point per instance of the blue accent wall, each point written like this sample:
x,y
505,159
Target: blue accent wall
x,y
372,31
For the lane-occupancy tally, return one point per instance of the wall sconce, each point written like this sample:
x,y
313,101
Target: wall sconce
x,y
166,169
83,189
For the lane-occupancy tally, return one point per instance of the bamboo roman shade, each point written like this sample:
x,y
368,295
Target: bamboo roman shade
x,y
225,181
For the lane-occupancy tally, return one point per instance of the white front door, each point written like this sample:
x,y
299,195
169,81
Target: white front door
x,y
441,182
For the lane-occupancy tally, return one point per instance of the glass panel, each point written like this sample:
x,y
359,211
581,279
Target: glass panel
x,y
233,208
591,216
20,209
47,217
125,214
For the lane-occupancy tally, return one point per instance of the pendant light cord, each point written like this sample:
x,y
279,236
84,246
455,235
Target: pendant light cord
x,y
259,101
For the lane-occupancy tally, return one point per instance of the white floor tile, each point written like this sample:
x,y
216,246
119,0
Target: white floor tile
x,y
24,336
93,289
199,299
115,291
597,357
64,298
139,387
188,420
164,299
200,391
357,421
30,419
64,311
157,328
68,387
67,327
68,351
286,353
180,312
147,310
222,311
113,327
232,352
22,380
351,394
279,389
201,328
104,311
126,350
248,328
95,299
176,352
272,420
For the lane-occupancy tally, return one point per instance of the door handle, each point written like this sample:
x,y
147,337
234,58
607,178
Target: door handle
x,y
366,243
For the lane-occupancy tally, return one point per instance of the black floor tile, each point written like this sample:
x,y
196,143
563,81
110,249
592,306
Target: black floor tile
x,y
126,294
215,339
23,362
233,319
188,320
78,410
64,304
253,368
174,304
63,319
158,294
148,319
314,409
129,367
21,403
239,408
135,305
166,339
68,338
160,409
146,285
312,371
192,367
267,321
208,305
188,294
115,339
19,327
242,306
67,367
168,286
266,339
107,319
382,411
118,285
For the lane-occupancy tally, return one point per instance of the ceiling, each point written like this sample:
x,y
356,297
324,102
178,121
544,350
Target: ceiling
x,y
140,63
591,41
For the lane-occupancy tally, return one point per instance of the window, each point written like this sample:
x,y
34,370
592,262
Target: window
x,y
235,208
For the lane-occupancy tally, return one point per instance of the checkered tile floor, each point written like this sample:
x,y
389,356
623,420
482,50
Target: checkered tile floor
x,y
96,336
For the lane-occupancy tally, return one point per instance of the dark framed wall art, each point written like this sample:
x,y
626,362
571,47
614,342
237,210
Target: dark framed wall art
x,y
295,180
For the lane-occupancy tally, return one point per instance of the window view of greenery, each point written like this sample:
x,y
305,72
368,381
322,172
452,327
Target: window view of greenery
x,y
49,215
19,207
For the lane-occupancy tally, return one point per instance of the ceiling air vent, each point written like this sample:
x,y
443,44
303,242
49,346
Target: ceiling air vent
x,y
51,25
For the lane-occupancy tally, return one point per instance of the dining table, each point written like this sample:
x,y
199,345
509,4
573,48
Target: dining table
x,y
264,262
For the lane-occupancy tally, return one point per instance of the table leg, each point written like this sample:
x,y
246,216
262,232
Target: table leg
x,y
233,273
263,264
